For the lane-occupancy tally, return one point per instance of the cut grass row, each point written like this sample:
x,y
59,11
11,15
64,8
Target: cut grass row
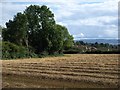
x,y
80,69
64,73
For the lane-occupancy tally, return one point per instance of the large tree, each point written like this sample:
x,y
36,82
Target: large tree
x,y
36,27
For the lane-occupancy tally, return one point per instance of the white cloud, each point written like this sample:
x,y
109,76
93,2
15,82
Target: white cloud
x,y
9,10
50,1
111,33
81,35
63,24
0,12
96,21
88,13
100,14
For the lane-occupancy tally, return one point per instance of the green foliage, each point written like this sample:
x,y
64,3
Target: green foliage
x,y
16,31
68,43
13,51
59,39
1,34
0,29
103,52
79,43
36,28
40,23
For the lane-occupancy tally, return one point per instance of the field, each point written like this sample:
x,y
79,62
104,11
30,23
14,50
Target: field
x,y
69,71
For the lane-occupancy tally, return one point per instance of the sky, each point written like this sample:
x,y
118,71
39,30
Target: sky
x,y
83,18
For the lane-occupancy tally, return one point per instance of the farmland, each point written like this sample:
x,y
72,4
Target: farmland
x,y
72,71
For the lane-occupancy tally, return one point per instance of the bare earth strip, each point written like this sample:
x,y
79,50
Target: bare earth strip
x,y
72,71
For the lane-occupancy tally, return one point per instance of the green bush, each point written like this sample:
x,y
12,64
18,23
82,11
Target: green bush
x,y
103,52
13,51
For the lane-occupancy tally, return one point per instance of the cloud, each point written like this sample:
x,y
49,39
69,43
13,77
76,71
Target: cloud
x,y
81,35
95,21
63,24
49,1
95,31
94,18
0,13
111,33
78,36
9,10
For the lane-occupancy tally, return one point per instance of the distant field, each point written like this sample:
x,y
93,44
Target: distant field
x,y
72,71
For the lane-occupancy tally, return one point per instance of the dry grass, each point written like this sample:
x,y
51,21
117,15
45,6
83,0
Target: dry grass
x,y
78,70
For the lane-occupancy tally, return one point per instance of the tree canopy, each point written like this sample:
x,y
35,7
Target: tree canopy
x,y
37,28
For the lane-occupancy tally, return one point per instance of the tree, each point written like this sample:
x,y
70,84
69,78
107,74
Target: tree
x,y
40,23
59,39
47,23
16,31
68,39
33,24
37,28
56,39
1,29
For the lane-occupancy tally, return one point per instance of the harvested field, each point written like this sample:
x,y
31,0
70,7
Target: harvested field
x,y
72,71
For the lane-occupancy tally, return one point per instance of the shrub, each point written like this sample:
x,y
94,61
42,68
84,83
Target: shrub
x,y
103,52
13,51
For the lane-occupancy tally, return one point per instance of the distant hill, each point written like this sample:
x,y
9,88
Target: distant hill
x,y
110,41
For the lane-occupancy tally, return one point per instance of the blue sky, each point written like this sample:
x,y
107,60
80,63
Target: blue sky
x,y
83,18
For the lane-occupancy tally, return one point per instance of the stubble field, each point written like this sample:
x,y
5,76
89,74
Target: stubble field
x,y
69,71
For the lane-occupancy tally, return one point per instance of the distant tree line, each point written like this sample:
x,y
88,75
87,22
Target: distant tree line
x,y
34,33
93,48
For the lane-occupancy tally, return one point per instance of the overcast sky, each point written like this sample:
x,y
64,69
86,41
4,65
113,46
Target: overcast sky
x,y
83,18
